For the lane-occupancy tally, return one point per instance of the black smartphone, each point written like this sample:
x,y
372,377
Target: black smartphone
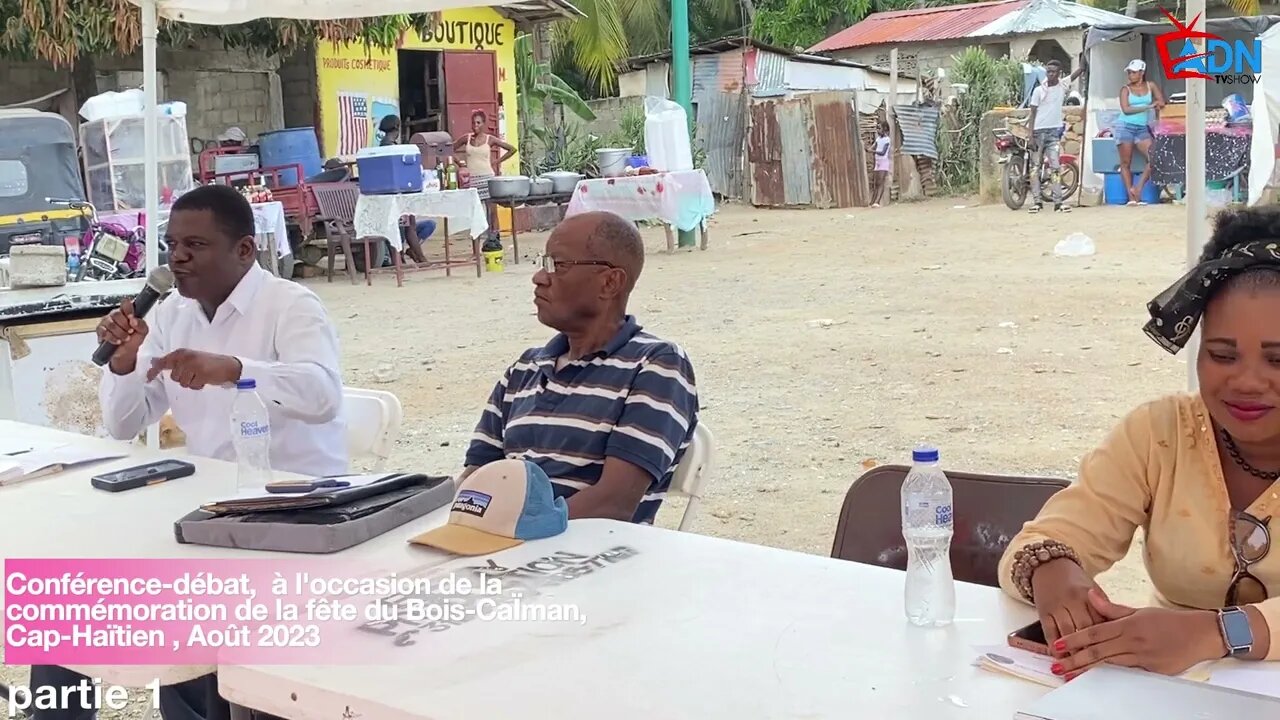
x,y
1030,638
143,475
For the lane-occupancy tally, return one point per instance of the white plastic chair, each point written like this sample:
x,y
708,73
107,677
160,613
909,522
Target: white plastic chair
x,y
693,474
373,423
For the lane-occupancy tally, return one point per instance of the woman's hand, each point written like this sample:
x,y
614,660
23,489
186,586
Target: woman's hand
x,y
1154,639
1062,599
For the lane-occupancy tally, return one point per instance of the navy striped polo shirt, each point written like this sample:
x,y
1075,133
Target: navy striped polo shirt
x,y
635,399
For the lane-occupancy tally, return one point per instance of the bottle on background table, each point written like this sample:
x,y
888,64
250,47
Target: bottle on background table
x,y
251,437
927,528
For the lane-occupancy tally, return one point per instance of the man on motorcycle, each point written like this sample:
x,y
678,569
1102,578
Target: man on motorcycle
x,y
1046,123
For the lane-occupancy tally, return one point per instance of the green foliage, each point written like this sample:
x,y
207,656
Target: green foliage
x,y
614,30
536,85
60,31
804,23
991,82
630,131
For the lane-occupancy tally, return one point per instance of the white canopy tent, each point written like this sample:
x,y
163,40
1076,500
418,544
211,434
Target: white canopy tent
x,y
1266,117
234,12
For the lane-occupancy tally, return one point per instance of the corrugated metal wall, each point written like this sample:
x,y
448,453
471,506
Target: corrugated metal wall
x,y
721,72
720,126
764,155
807,152
771,71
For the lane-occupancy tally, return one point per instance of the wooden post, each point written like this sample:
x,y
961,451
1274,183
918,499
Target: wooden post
x,y
893,120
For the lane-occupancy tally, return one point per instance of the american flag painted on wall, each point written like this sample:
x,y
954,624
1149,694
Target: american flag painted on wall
x,y
353,123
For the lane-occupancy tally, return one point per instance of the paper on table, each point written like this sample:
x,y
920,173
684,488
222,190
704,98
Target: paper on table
x,y
1017,662
1039,668
17,446
47,461
1258,680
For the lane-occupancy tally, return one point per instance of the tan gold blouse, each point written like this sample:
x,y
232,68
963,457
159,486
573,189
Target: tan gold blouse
x,y
1159,469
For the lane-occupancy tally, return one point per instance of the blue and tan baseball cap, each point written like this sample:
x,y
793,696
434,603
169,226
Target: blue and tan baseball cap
x,y
499,506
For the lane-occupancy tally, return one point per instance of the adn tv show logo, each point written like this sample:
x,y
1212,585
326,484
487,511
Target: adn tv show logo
x,y
1223,62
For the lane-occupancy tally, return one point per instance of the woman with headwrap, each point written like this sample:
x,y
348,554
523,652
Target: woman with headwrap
x,y
1198,472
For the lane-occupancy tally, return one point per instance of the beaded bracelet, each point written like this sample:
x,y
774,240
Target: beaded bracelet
x,y
1031,556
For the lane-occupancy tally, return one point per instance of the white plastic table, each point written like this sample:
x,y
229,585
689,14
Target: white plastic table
x,y
63,516
688,627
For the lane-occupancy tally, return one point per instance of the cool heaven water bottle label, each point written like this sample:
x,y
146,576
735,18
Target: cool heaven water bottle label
x,y
250,429
918,505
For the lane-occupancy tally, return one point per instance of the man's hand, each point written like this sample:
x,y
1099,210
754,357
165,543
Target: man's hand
x,y
1154,639
194,370
126,331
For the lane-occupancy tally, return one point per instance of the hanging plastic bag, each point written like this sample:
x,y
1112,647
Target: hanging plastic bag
x,y
112,104
666,135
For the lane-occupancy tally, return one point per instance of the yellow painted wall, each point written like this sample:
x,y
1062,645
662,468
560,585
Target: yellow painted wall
x,y
374,74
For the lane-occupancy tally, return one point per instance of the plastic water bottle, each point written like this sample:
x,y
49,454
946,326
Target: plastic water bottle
x,y
251,437
927,529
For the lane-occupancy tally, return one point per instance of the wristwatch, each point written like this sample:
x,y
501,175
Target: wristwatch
x,y
1236,632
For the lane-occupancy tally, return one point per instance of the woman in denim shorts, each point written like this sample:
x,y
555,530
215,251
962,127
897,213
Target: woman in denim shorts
x,y
1137,100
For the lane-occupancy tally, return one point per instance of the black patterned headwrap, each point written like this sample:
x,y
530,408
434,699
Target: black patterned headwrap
x,y
1176,311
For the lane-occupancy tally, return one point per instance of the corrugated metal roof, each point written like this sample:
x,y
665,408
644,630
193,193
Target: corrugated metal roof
x,y
1041,15
919,25
1004,17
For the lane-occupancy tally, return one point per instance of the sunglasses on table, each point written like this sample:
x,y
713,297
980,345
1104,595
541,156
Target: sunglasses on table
x,y
1250,543
549,264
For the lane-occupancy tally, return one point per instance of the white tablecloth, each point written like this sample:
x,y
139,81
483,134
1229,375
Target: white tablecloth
x,y
735,630
267,218
91,523
682,199
380,214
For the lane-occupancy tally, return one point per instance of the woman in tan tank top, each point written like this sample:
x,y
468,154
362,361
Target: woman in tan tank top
x,y
476,149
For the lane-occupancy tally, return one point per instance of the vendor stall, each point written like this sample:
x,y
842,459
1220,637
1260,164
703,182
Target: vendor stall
x,y
1109,48
47,337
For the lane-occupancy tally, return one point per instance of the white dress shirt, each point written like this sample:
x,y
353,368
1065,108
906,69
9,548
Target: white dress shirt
x,y
281,334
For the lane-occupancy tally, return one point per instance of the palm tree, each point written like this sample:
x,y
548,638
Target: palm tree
x,y
614,30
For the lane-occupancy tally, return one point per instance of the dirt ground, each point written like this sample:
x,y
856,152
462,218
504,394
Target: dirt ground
x,y
824,341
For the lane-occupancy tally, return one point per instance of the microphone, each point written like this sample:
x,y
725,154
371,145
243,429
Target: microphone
x,y
159,282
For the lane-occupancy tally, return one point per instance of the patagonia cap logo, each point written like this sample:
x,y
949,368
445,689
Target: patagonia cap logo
x,y
472,503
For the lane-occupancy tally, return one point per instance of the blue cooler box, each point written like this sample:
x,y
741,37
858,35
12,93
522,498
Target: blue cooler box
x,y
390,170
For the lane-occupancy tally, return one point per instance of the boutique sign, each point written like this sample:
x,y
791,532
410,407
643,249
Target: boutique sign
x,y
479,35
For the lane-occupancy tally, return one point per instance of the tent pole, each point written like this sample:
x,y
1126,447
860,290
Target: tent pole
x,y
151,169
1197,204
151,130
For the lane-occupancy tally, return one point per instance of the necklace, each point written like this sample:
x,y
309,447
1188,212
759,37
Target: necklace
x,y
1244,464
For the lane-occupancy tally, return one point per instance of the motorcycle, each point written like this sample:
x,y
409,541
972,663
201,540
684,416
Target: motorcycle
x,y
107,251
1015,181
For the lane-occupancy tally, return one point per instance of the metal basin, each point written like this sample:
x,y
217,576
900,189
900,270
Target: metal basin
x,y
540,187
562,181
612,161
509,186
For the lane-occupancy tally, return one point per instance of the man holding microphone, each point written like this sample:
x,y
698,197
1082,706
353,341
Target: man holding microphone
x,y
230,320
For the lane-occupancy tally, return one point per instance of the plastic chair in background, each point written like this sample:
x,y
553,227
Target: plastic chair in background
x,y
373,423
693,473
990,510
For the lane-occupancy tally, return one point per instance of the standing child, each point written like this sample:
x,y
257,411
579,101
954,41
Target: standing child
x,y
884,148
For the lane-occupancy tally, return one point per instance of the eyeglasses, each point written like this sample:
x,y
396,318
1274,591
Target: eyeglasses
x,y
549,264
1250,543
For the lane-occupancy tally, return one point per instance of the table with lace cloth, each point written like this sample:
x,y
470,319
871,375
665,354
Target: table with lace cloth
x,y
380,214
682,199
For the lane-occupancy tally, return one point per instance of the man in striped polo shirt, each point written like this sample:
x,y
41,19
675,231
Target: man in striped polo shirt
x,y
605,409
